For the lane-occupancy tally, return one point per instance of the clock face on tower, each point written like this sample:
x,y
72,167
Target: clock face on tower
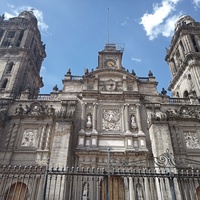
x,y
110,63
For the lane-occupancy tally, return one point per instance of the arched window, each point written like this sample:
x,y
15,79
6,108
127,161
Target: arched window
x,y
9,68
189,76
185,94
4,84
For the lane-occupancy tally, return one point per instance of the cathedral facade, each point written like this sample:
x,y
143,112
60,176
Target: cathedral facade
x,y
107,117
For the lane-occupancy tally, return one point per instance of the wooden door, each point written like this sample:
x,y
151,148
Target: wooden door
x,y
198,193
116,188
18,191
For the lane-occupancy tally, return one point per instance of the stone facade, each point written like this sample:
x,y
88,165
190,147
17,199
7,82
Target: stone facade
x,y
107,108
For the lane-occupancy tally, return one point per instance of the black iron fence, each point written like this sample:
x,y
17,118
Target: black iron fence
x,y
33,183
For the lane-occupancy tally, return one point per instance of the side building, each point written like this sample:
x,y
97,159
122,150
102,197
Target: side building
x,y
109,118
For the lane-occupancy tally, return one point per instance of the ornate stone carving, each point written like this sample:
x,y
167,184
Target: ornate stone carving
x,y
110,121
184,112
35,109
29,138
67,110
156,116
191,140
110,85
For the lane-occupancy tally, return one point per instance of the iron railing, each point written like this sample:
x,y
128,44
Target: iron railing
x,y
33,183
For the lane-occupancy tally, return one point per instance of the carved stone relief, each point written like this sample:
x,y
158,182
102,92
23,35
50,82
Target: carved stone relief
x,y
35,109
110,85
111,120
155,116
29,138
191,140
67,109
184,112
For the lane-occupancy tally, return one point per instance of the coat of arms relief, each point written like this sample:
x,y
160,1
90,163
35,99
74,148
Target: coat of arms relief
x,y
111,120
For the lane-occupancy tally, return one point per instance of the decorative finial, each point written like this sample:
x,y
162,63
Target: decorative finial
x,y
55,88
133,72
150,74
86,71
163,92
69,71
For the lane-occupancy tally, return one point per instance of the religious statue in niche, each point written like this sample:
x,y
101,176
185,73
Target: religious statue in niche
x,y
133,122
139,192
85,195
29,138
191,140
111,120
89,121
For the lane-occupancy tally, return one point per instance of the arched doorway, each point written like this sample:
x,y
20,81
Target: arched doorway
x,y
17,191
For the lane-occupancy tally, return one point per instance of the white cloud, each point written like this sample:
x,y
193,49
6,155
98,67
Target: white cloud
x,y
168,27
136,59
125,21
158,22
197,2
15,11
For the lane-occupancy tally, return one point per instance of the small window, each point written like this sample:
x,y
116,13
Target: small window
x,y
5,81
194,43
9,68
20,38
182,47
189,76
185,94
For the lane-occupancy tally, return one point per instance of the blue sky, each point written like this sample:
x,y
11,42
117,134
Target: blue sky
x,y
75,30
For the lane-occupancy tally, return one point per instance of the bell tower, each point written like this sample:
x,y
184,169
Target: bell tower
x,y
21,56
183,58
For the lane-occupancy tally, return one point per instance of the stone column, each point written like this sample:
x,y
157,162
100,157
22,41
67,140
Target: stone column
x,y
141,135
131,191
40,188
191,46
42,136
48,137
126,117
94,118
181,52
173,68
146,186
138,118
185,43
83,117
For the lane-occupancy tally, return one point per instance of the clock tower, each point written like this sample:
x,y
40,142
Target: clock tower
x,y
110,57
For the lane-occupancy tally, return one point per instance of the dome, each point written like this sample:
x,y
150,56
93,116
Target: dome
x,y
183,20
29,15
